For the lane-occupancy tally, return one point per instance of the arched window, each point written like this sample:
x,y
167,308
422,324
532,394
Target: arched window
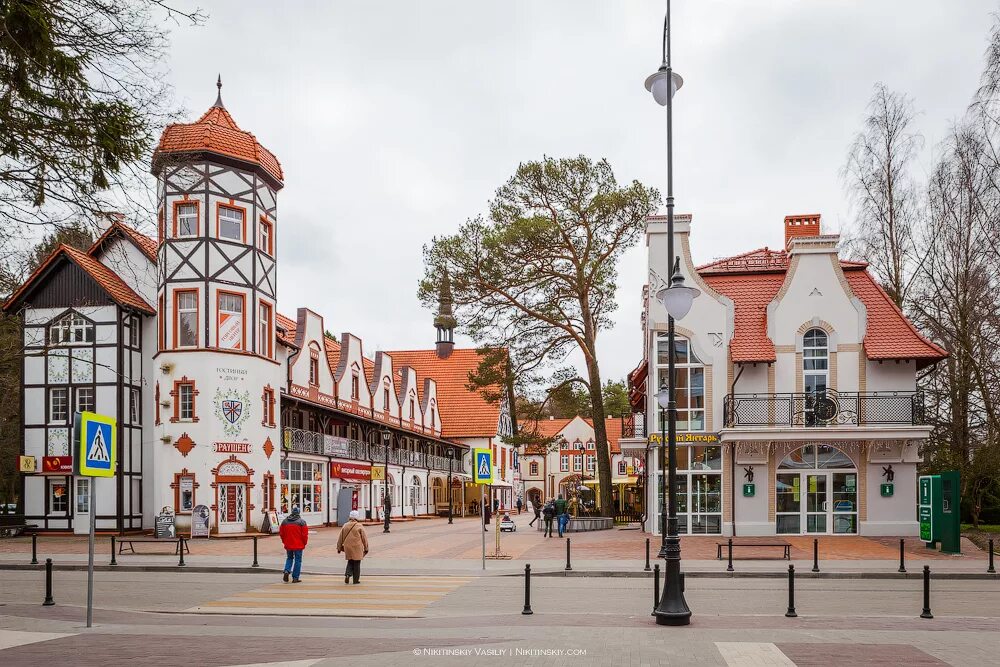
x,y
815,361
71,328
817,457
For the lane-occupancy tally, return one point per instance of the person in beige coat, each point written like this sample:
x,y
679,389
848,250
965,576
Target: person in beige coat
x,y
354,544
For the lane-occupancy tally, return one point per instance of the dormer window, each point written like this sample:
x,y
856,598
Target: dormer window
x,y
314,371
385,398
71,329
355,387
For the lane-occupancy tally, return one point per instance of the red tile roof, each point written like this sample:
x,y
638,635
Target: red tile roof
x,y
753,279
110,282
287,323
144,243
217,132
464,413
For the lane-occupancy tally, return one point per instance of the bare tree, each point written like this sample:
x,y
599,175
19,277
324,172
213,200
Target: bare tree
x,y
877,175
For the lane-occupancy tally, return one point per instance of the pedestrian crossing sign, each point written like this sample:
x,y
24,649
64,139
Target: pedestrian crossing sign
x,y
97,446
483,466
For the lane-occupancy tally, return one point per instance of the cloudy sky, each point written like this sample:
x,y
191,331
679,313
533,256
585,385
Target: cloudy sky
x,y
395,121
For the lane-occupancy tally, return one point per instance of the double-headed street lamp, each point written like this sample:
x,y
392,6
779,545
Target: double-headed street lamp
x,y
451,458
676,298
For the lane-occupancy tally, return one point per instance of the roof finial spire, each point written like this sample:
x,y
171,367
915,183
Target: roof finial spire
x,y
218,98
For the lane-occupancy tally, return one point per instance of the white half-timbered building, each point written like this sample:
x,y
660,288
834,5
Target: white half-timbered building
x,y
220,400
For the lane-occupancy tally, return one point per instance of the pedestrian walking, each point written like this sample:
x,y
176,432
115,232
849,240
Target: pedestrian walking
x,y
353,543
537,509
386,510
548,514
519,505
562,514
294,537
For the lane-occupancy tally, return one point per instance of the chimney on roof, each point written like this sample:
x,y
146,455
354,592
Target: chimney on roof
x,y
445,321
801,225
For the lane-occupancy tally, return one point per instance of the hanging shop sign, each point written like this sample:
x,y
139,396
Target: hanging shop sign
x,y
351,472
749,490
689,438
885,490
57,465
26,464
378,472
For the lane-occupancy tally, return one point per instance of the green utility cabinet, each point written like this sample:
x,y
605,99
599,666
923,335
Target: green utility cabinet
x,y
938,509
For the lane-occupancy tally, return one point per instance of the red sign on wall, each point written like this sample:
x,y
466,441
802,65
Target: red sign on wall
x,y
57,465
351,472
231,503
232,447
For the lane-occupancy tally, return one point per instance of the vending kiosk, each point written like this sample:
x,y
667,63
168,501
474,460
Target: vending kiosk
x,y
939,511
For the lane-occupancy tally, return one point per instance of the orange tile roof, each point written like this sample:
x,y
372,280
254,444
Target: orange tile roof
x,y
217,132
110,282
464,413
287,323
753,279
144,243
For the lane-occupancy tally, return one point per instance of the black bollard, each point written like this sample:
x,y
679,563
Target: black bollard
x,y
48,584
647,568
255,563
113,561
34,548
180,543
656,588
991,569
926,613
815,554
902,557
729,568
791,592
568,566
527,591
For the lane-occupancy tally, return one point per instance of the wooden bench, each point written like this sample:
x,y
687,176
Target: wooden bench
x,y
13,530
785,546
122,541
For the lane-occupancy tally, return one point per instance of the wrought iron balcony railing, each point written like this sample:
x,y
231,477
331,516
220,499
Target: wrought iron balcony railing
x,y
310,442
634,425
825,408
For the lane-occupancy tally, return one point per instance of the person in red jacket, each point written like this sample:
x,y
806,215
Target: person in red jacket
x,y
294,536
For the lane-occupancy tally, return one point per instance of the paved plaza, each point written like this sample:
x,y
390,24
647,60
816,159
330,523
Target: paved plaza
x,y
424,599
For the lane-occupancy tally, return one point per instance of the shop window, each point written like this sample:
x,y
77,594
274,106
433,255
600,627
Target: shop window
x,y
185,219
85,399
230,223
58,497
230,334
59,405
186,318
71,329
689,388
301,486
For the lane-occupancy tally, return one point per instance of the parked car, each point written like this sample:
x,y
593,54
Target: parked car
x,y
507,524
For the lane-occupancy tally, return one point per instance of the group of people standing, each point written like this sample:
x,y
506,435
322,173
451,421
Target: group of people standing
x,y
556,510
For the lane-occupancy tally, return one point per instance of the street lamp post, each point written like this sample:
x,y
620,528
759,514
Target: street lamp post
x,y
451,458
662,398
386,437
676,298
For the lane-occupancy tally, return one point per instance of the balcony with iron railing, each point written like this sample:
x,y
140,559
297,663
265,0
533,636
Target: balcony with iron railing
x,y
825,408
634,425
311,442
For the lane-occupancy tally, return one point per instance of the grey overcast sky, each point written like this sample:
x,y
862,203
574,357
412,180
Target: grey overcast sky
x,y
396,120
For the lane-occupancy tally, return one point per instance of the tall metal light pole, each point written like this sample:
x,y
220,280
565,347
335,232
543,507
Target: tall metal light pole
x,y
662,397
386,437
676,298
451,458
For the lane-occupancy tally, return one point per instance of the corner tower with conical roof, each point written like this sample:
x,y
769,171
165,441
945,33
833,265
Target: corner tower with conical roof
x,y
216,372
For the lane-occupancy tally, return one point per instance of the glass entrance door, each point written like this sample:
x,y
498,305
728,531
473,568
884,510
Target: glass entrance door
x,y
817,502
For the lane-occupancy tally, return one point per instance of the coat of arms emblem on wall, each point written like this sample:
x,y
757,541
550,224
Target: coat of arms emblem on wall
x,y
232,408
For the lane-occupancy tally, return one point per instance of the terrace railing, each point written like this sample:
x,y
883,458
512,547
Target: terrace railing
x,y
825,408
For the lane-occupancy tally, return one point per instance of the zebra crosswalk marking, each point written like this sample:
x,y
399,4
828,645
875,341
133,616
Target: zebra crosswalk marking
x,y
387,596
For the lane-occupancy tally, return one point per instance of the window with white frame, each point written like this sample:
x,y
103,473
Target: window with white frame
x,y
58,497
58,405
622,468
578,463
264,344
231,223
71,328
187,220
185,401
815,361
564,463
591,463
133,331
533,468
187,318
591,445
230,332
134,407
301,486
264,237
85,399
689,388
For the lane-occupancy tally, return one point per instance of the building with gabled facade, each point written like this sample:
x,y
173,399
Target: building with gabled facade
x,y
221,401
798,405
